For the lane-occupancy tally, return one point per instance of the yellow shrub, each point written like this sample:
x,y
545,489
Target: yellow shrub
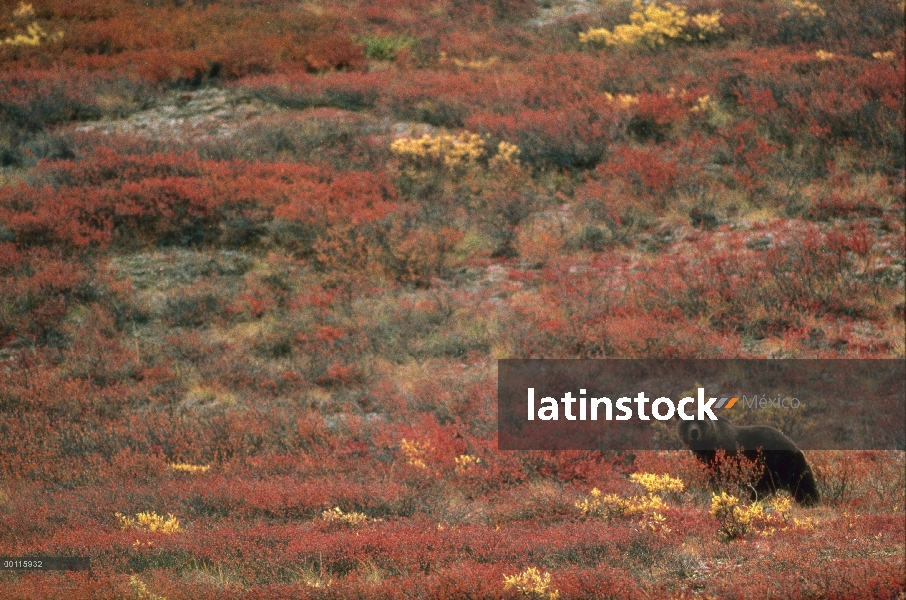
x,y
708,24
624,100
531,583
415,452
187,468
150,521
338,517
449,151
611,505
507,153
808,10
704,105
644,505
781,506
452,152
464,462
648,507
34,34
141,591
655,522
735,520
590,506
658,483
653,26
24,11
475,65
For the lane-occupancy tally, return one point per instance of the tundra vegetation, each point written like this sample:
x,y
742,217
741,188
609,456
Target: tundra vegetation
x,y
258,260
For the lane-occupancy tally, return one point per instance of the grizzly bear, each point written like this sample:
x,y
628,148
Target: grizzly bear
x,y
785,467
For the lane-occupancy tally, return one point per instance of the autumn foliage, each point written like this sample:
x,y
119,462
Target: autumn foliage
x,y
258,261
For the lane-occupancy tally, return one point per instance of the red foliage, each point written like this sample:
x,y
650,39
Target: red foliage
x,y
574,135
645,170
181,199
283,300
187,43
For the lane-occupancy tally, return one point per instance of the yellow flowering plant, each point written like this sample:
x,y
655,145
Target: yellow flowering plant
x,y
531,583
415,452
150,521
336,516
452,152
189,468
34,34
654,26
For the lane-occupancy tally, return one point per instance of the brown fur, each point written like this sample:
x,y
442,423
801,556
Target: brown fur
x,y
784,463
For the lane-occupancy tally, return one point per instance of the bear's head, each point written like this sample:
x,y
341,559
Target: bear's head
x,y
697,435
